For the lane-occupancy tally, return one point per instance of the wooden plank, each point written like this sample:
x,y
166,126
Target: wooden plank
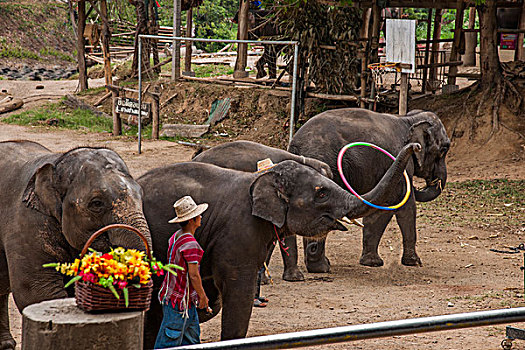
x,y
242,34
183,130
403,94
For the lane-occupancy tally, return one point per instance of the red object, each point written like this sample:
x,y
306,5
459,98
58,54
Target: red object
x,y
185,249
508,41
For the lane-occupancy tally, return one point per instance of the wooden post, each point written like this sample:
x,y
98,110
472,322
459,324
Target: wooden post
x,y
81,48
403,94
155,111
373,41
364,57
435,48
427,50
519,54
187,58
59,324
117,122
471,40
106,36
242,34
454,52
175,54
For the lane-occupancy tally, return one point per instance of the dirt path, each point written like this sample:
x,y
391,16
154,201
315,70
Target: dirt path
x,y
459,274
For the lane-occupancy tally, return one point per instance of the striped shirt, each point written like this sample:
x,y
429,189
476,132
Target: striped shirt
x,y
183,250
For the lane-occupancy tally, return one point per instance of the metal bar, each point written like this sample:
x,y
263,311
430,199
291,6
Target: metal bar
x,y
139,120
294,91
273,42
369,331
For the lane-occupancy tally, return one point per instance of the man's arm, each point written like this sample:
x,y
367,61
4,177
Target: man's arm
x,y
196,283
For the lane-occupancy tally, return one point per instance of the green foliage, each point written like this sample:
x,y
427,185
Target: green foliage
x,y
58,54
62,117
211,70
212,20
8,51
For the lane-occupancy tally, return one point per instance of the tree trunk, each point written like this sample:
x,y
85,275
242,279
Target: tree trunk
x,y
142,28
489,59
242,34
106,37
81,49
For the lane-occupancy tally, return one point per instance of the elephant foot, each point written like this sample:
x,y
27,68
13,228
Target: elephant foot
x,y
7,344
321,266
293,275
412,260
261,73
372,260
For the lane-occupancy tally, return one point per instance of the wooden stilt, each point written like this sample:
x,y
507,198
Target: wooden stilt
x,y
427,50
187,57
471,40
519,54
242,34
403,94
175,61
454,53
364,57
435,48
106,37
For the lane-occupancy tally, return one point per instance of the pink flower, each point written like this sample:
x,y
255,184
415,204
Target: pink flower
x,y
89,277
122,284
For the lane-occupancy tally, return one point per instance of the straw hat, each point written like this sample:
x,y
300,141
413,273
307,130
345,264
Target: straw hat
x,y
187,209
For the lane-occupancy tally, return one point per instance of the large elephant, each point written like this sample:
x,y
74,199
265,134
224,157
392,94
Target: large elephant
x,y
323,136
245,210
51,204
243,156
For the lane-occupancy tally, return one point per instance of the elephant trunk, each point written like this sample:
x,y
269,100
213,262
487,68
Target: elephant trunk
x,y
387,187
128,239
432,189
318,165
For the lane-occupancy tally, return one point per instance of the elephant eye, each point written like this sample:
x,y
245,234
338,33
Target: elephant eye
x,y
321,194
96,205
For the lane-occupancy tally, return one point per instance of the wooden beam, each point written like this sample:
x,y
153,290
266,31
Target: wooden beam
x,y
454,53
519,54
427,50
187,57
175,59
435,46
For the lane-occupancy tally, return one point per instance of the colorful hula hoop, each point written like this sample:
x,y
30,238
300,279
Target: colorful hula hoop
x,y
340,168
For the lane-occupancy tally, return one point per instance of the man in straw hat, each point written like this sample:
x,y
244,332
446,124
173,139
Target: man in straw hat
x,y
180,299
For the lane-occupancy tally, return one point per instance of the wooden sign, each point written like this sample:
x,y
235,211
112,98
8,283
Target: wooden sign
x,y
131,106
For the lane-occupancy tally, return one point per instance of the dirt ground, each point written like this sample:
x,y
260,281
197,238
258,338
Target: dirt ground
x,y
459,272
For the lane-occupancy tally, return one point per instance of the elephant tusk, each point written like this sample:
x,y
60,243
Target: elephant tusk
x,y
352,221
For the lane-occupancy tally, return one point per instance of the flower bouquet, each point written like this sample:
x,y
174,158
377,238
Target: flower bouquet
x,y
120,279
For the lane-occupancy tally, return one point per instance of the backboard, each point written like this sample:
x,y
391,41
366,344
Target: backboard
x,y
401,42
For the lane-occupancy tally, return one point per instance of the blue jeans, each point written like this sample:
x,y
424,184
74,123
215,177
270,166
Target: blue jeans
x,y
176,330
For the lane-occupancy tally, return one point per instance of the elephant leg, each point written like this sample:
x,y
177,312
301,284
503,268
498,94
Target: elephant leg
x,y
237,304
6,340
375,225
261,72
272,61
314,255
291,270
406,219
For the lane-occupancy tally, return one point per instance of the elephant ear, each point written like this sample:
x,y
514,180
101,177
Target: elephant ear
x,y
41,194
419,133
268,199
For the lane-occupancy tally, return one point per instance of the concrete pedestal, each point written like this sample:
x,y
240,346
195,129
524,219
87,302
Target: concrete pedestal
x,y
60,325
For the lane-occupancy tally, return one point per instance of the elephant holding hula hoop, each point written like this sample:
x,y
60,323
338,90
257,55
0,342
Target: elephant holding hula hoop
x,y
323,136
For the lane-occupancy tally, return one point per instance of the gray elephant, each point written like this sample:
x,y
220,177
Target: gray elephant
x,y
243,156
245,210
323,136
51,204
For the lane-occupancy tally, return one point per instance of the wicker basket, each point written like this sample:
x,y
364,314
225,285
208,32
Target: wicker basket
x,y
93,297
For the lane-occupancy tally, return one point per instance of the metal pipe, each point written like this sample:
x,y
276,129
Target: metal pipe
x,y
294,91
369,331
270,42
140,94
273,42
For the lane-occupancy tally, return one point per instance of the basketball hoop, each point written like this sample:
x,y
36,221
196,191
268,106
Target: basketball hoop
x,y
379,70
